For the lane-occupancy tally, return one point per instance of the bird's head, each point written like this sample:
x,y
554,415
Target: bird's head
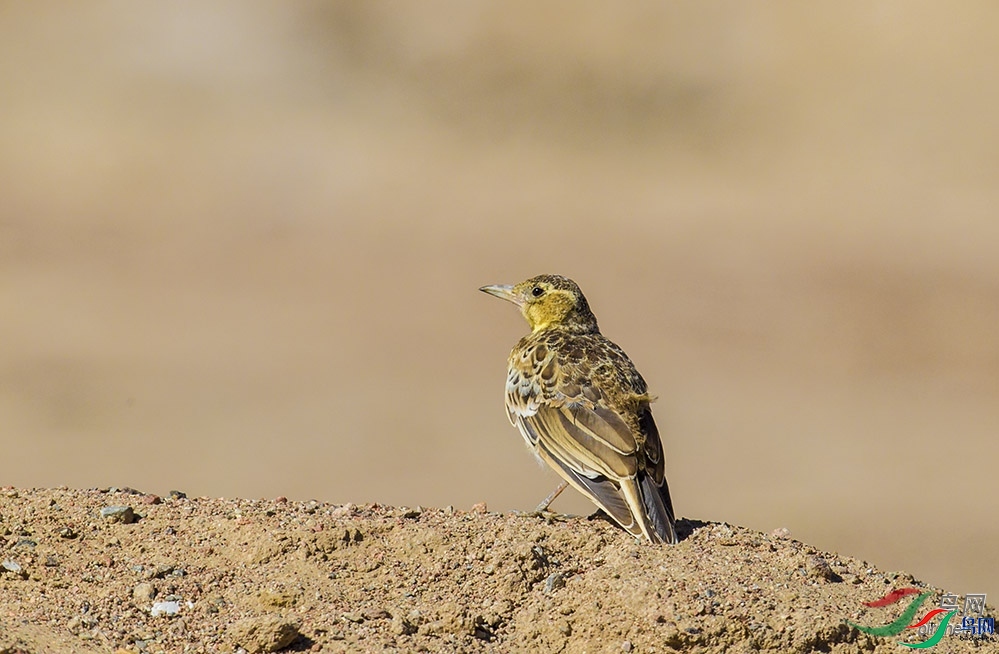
x,y
549,301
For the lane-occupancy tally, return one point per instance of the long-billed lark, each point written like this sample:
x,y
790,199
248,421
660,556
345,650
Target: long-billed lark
x,y
583,408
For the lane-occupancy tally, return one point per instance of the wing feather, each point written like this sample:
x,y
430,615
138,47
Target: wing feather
x,y
602,491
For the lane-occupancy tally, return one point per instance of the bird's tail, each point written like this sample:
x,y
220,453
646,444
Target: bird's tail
x,y
659,507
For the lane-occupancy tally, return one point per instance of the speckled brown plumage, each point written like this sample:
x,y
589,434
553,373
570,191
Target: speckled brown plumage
x,y
583,408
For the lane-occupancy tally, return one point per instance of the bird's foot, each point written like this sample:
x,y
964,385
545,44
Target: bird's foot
x,y
548,516
541,511
545,503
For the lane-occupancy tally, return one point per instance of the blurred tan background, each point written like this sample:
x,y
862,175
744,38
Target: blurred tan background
x,y
240,246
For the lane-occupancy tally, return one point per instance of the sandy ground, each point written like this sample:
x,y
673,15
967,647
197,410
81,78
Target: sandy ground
x,y
116,570
240,246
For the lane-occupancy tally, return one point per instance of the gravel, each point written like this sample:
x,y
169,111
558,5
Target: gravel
x,y
220,575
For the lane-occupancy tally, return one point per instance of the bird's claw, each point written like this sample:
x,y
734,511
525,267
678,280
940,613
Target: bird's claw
x,y
548,516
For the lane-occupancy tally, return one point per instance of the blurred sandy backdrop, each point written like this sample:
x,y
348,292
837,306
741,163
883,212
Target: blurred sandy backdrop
x,y
240,246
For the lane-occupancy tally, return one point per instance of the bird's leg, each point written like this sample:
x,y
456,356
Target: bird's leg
x,y
545,503
542,509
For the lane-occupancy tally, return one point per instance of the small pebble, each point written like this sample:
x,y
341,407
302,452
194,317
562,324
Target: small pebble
x,y
176,495
122,514
818,567
402,627
11,565
555,581
264,634
479,507
143,593
626,646
165,608
158,572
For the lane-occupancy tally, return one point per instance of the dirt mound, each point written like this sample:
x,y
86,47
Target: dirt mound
x,y
83,573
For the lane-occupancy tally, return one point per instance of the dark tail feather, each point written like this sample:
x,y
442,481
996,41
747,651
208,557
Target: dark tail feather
x,y
659,507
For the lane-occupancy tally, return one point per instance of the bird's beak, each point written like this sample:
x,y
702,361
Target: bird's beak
x,y
503,292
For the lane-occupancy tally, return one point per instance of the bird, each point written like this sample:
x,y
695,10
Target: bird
x,y
583,408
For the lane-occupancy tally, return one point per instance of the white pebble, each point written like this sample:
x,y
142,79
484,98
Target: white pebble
x,y
165,608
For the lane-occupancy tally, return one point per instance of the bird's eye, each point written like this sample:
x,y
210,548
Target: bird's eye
x,y
537,291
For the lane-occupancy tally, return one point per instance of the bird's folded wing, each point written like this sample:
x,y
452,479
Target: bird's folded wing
x,y
655,490
655,465
605,493
586,440
590,441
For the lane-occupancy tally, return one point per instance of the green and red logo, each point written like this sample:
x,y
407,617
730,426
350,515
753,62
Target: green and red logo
x,y
973,623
